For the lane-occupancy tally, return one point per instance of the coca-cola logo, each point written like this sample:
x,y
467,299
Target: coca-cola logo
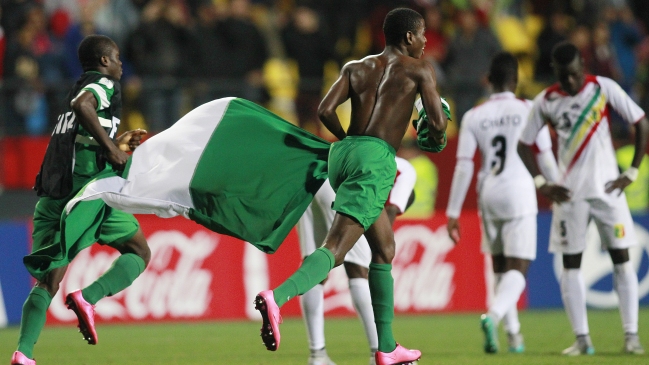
x,y
174,285
423,280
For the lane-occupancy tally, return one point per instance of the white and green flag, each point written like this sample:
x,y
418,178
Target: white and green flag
x,y
230,165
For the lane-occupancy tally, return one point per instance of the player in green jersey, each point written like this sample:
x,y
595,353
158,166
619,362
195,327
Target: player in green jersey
x,y
82,147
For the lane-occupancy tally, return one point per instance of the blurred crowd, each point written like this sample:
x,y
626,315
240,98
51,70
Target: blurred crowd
x,y
283,54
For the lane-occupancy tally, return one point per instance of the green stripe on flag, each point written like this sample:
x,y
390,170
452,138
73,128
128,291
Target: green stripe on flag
x,y
256,176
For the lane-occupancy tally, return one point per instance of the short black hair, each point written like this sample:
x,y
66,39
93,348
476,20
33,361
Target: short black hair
x,y
503,69
564,52
92,48
398,22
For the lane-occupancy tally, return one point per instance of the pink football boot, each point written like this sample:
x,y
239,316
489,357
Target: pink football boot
x,y
85,313
265,304
400,356
19,358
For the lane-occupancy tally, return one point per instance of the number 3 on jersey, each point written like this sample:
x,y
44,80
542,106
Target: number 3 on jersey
x,y
498,163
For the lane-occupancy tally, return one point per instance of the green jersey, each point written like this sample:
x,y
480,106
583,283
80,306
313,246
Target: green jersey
x,y
72,150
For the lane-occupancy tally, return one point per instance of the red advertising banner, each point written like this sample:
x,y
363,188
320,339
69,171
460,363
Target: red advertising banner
x,y
196,274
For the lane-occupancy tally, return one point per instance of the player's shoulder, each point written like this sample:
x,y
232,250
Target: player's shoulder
x,y
608,84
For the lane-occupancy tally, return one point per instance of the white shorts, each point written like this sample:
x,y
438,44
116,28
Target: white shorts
x,y
610,214
404,184
313,226
514,237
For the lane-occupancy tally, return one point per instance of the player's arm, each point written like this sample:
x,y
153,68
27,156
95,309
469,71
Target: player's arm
x,y
466,147
437,121
337,95
532,134
631,174
633,114
85,109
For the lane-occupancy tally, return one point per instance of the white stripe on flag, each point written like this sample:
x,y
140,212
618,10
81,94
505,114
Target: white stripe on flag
x,y
110,190
163,166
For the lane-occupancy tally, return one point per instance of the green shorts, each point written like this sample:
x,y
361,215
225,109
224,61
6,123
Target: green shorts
x,y
361,172
49,251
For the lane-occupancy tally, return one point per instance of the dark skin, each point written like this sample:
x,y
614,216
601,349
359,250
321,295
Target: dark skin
x,y
382,89
356,271
84,107
501,263
571,78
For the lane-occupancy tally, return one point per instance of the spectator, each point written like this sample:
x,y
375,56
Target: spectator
x,y
308,43
29,61
469,56
77,31
117,19
603,59
211,54
3,45
555,31
624,37
158,51
247,52
436,42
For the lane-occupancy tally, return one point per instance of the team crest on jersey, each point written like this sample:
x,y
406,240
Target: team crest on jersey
x,y
575,106
619,230
106,82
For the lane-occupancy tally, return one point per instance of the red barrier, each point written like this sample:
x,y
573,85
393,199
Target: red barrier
x,y
20,160
196,274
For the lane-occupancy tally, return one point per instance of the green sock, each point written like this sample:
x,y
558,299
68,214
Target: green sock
x,y
382,293
33,319
124,271
313,270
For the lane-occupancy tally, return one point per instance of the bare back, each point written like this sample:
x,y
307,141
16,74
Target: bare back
x,y
382,89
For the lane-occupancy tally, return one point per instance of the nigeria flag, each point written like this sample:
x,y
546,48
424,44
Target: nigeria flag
x,y
229,165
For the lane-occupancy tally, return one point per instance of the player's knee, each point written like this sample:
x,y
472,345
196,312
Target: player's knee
x,y
145,253
572,261
619,256
51,288
384,256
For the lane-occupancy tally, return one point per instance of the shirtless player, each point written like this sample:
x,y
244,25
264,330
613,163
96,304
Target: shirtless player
x,y
382,89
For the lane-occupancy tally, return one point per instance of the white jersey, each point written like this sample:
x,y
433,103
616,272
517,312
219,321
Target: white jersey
x,y
505,187
585,152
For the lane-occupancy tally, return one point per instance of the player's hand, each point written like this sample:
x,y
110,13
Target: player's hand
x,y
117,158
453,228
130,140
620,183
556,193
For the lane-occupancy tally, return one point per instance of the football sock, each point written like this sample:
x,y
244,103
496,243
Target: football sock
x,y
362,299
509,289
511,324
382,291
33,319
312,303
573,293
313,270
625,281
510,321
124,271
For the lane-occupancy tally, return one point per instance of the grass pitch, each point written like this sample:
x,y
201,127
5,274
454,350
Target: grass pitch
x,y
443,339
